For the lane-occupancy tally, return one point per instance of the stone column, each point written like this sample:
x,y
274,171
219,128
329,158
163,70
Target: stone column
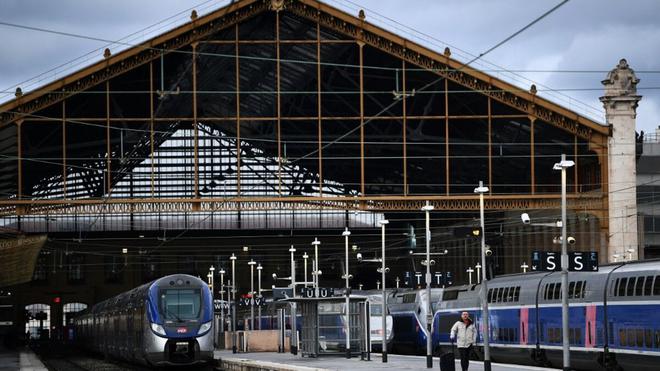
x,y
620,102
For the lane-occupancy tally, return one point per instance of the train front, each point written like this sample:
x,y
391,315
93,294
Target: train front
x,y
180,319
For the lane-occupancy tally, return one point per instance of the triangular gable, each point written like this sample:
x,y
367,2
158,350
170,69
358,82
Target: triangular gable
x,y
327,16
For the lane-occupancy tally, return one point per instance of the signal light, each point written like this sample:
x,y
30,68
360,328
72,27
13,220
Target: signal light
x,y
57,300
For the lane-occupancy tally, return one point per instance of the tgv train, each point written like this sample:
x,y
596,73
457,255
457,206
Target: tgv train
x,y
409,310
614,317
165,322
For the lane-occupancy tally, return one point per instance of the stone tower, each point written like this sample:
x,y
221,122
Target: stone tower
x,y
620,101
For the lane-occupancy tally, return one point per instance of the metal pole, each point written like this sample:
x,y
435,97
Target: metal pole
x,y
429,316
233,299
383,223
484,280
251,263
470,271
316,244
347,233
478,266
259,268
305,256
564,271
294,334
222,301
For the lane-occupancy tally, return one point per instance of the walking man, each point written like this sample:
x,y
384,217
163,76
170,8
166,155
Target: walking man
x,y
466,335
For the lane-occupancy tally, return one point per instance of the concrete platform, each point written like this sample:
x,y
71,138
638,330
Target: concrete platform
x,y
288,362
20,359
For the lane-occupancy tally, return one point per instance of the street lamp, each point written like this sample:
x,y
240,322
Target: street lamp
x,y
252,263
469,272
484,279
429,315
233,300
347,233
259,268
294,334
383,223
562,166
305,257
316,269
222,300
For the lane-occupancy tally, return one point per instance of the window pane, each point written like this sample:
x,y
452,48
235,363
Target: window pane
x,y
639,286
616,288
571,290
622,286
630,291
648,285
656,286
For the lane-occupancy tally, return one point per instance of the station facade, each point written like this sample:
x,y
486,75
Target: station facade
x,y
293,119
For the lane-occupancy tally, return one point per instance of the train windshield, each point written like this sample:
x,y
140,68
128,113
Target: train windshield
x,y
180,304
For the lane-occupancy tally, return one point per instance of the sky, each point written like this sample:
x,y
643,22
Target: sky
x,y
569,51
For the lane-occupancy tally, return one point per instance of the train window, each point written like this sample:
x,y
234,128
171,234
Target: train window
x,y
499,294
580,289
639,337
630,291
615,288
571,290
409,298
490,295
450,295
648,338
550,289
656,286
516,294
630,337
622,286
557,291
657,339
578,335
639,286
545,291
648,285
622,337
505,295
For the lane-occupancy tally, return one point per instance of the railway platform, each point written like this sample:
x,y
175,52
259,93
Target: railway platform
x,y
228,361
22,359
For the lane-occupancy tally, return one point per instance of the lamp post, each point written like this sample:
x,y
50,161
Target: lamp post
x,y
347,233
478,268
232,258
484,279
259,268
316,244
211,276
305,257
383,223
429,315
469,272
294,334
252,263
562,166
524,267
222,300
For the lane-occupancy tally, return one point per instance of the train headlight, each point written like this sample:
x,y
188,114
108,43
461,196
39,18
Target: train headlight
x,y
158,329
204,328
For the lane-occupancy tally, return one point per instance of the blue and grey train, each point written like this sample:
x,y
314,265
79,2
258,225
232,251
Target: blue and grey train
x,y
614,317
165,322
409,310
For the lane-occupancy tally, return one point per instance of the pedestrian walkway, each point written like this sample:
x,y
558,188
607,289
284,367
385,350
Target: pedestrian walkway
x,y
22,359
289,362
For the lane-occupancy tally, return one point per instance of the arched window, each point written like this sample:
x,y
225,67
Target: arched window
x,y
70,310
38,323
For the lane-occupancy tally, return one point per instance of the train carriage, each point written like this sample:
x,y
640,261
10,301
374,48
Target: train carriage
x,y
614,317
165,322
